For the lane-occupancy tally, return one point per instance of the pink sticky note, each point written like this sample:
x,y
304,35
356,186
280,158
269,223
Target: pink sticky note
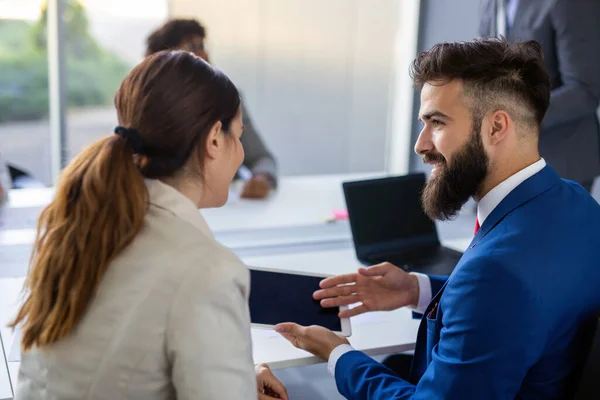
x,y
340,214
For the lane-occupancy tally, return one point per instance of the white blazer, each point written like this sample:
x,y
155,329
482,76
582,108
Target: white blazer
x,y
170,320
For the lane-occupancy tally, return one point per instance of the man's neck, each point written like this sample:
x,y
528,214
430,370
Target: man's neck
x,y
503,171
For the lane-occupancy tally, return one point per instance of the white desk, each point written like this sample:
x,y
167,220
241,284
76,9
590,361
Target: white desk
x,y
374,333
299,202
293,216
26,198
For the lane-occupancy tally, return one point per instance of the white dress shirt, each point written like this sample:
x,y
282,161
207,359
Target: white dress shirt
x,y
484,208
169,320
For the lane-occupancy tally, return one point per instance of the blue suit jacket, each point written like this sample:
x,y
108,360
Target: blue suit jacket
x,y
509,317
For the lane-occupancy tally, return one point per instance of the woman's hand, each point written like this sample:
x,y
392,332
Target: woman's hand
x,y
269,387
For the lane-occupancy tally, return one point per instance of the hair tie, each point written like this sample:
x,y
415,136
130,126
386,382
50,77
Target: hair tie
x,y
133,137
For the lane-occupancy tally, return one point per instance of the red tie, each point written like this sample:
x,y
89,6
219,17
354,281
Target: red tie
x,y
476,226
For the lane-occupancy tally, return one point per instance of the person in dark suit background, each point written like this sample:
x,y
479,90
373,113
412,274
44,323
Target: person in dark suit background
x,y
510,320
569,33
259,169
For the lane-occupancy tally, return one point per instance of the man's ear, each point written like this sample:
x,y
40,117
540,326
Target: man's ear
x,y
498,123
214,141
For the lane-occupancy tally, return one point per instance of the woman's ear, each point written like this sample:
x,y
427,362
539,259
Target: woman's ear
x,y
214,141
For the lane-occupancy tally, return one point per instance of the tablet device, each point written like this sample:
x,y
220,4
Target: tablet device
x,y
282,296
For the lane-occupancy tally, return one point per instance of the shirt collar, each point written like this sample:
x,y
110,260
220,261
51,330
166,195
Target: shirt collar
x,y
170,199
497,194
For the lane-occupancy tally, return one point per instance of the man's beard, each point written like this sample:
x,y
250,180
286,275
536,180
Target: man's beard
x,y
452,186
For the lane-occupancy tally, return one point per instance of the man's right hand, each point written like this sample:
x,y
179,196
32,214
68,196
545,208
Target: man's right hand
x,y
382,287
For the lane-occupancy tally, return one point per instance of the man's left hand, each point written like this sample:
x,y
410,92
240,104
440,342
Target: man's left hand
x,y
314,339
258,187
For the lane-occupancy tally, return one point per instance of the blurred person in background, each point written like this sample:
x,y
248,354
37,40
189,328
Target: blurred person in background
x,y
569,33
259,169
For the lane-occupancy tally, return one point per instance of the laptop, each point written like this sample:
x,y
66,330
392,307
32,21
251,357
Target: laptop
x,y
389,225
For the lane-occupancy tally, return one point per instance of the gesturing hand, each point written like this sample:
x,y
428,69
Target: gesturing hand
x,y
382,287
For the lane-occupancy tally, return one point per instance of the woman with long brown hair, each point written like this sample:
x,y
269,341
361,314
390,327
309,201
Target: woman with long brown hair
x,y
129,295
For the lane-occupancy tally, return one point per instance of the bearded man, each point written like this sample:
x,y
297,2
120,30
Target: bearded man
x,y
509,321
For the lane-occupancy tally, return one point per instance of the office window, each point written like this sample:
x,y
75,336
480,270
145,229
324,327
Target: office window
x,y
24,129
104,39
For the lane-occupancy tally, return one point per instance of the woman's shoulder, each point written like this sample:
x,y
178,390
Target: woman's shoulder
x,y
188,251
210,258
211,274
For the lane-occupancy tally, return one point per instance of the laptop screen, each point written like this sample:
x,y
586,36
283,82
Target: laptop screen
x,y
386,214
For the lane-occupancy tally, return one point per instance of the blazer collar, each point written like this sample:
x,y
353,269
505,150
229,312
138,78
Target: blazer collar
x,y
526,191
170,199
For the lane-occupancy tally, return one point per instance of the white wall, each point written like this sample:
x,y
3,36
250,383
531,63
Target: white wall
x,y
316,75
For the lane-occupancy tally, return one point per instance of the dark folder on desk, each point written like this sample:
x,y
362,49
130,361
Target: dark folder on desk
x,y
388,224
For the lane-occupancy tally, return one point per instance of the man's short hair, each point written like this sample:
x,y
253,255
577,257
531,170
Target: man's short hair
x,y
496,75
172,34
